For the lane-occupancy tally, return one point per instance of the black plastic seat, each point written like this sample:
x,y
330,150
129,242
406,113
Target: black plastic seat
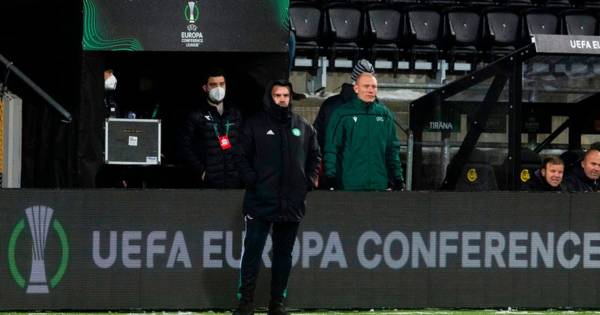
x,y
557,4
502,31
591,4
579,22
541,21
306,23
344,28
463,34
424,31
477,174
385,29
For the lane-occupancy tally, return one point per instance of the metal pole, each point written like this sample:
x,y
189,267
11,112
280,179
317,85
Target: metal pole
x,y
409,160
11,67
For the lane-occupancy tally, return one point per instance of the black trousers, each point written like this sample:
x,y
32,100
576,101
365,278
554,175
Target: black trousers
x,y
283,236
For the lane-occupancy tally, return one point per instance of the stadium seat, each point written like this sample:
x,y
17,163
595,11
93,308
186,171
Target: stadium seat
x,y
399,3
530,162
517,4
572,159
591,4
541,21
557,4
502,31
344,29
424,33
306,23
579,22
462,30
384,27
477,174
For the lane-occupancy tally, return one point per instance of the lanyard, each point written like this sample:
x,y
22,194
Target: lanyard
x,y
216,126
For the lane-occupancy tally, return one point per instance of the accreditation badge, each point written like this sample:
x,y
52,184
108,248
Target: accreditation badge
x,y
224,142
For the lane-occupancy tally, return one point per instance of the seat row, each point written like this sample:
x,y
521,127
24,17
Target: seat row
x,y
593,4
424,32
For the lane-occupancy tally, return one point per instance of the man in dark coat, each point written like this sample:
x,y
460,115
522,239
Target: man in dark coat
x,y
209,136
279,163
333,102
549,177
585,177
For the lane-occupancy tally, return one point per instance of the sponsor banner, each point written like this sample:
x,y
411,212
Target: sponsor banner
x,y
194,25
180,249
567,44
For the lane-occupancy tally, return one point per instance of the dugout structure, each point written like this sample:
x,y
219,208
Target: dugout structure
x,y
490,129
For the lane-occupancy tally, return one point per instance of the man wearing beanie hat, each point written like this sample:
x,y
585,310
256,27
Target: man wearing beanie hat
x,y
362,149
333,102
346,94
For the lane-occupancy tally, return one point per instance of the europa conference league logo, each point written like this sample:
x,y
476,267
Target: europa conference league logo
x,y
39,219
191,37
191,12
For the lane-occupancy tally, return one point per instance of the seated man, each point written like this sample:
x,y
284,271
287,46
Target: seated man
x,y
362,149
585,177
548,177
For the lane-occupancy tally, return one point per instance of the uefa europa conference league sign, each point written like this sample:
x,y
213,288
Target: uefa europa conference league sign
x,y
181,249
567,44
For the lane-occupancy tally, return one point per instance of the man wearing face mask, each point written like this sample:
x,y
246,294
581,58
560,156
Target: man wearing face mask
x,y
110,94
210,136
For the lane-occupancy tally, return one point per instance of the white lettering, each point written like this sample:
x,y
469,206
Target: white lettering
x,y
152,248
313,245
112,250
369,236
128,249
468,249
561,250
515,249
494,246
179,252
210,248
590,249
419,248
387,250
546,252
445,247
334,252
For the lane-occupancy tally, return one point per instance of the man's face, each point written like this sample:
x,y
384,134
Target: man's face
x,y
591,164
281,95
214,82
553,174
107,74
366,88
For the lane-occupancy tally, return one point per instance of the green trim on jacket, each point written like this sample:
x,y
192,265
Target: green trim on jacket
x,y
362,149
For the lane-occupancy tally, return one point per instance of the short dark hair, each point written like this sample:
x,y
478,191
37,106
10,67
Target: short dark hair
x,y
213,72
593,147
283,83
554,160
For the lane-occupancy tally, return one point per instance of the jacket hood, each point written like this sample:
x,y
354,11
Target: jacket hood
x,y
278,112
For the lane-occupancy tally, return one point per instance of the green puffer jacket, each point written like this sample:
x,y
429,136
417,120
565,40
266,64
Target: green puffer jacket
x,y
362,149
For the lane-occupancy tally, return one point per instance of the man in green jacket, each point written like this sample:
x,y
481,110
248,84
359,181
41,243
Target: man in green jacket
x,y
362,149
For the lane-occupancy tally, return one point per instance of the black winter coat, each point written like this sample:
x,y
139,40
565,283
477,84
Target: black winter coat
x,y
539,183
200,147
328,107
576,180
279,163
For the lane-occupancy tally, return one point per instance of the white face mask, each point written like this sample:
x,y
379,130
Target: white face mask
x,y
217,94
110,83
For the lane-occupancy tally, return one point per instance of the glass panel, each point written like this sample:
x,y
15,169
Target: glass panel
x,y
560,79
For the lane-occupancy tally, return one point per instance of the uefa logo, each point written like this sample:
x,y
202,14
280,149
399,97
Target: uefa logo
x,y
41,225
